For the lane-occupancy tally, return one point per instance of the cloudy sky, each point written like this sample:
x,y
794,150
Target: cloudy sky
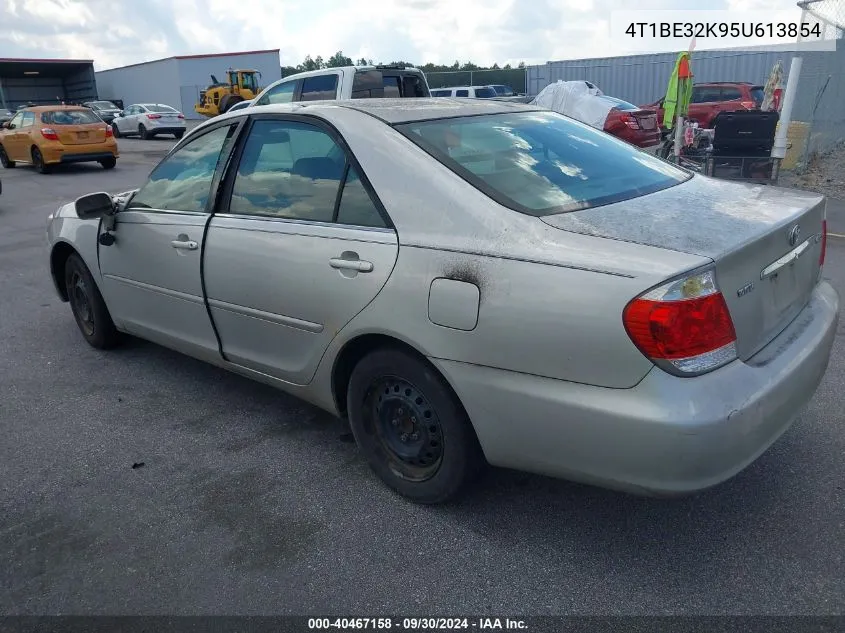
x,y
118,32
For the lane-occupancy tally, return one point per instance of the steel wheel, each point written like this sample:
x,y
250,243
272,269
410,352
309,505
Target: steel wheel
x,y
408,428
89,310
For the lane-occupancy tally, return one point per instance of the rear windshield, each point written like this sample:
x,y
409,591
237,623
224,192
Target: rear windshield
x,y
70,117
758,94
372,84
541,163
160,108
484,93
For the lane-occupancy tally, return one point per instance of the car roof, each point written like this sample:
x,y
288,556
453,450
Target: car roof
x,y
50,108
397,111
463,87
327,71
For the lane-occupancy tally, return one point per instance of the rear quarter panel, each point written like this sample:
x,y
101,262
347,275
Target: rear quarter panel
x,y
550,301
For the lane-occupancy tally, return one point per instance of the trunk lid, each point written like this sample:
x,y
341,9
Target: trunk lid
x,y
80,134
646,118
766,267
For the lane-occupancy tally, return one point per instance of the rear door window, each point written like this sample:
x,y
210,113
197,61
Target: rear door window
x,y
319,88
28,119
462,93
288,169
758,94
706,94
541,163
484,93
730,94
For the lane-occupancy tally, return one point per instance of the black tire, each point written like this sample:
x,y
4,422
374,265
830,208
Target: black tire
x,y
178,135
4,159
227,102
411,427
115,130
143,132
38,161
108,163
90,311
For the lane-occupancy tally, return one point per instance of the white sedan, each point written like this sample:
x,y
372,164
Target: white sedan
x,y
147,120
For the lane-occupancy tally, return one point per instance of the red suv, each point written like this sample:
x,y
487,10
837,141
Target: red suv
x,y
710,99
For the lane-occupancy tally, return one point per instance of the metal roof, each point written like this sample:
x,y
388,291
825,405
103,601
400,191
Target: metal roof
x,y
208,55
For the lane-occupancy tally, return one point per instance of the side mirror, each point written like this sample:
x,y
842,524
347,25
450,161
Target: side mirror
x,y
7,125
94,205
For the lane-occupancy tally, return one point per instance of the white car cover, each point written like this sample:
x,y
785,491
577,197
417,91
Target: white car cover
x,y
576,99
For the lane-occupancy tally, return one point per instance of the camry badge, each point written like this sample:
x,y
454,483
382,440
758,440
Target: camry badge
x,y
794,234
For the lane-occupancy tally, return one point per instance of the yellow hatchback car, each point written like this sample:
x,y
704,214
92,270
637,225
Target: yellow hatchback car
x,y
51,135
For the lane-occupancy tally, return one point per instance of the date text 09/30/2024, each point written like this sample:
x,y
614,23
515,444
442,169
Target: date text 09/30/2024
x,y
417,624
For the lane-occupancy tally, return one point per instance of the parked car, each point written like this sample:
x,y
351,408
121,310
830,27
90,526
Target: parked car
x,y
348,82
709,99
630,123
45,136
148,120
586,103
106,110
469,281
6,115
472,92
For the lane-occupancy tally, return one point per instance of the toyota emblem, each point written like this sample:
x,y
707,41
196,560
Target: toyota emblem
x,y
794,234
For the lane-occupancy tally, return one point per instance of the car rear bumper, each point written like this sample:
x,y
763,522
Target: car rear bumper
x,y
79,153
166,129
668,435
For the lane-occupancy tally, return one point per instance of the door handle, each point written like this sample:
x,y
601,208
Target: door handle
x,y
358,265
188,245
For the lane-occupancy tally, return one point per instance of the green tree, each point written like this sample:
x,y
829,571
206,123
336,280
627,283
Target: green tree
x,y
338,59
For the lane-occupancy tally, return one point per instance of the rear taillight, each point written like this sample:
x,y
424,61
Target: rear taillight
x,y
748,105
631,121
824,243
684,326
109,132
153,116
49,133
181,116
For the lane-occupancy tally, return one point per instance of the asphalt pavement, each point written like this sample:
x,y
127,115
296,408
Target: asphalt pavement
x,y
140,481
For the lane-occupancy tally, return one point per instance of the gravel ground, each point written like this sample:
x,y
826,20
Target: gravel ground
x,y
826,174
251,502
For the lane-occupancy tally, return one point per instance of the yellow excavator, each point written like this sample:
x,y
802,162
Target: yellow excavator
x,y
242,85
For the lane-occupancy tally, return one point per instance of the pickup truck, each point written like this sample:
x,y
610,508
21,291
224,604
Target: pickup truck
x,y
347,82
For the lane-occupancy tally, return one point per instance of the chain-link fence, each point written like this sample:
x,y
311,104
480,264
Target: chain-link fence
x,y
513,77
819,114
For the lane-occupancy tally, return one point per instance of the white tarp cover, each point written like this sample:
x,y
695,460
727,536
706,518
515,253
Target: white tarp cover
x,y
577,100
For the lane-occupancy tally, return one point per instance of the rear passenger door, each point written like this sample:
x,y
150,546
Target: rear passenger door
x,y
298,247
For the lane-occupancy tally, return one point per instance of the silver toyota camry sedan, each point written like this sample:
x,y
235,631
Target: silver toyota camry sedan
x,y
470,282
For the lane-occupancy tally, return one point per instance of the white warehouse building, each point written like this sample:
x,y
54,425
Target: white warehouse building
x,y
177,81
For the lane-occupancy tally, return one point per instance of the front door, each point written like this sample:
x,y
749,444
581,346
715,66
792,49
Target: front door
x,y
296,250
151,273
